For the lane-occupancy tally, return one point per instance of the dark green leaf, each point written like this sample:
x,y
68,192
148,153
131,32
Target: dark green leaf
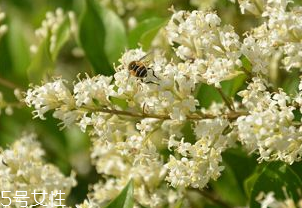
x,y
206,94
124,199
227,182
275,177
92,36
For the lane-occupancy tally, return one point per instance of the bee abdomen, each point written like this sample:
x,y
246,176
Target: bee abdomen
x,y
141,71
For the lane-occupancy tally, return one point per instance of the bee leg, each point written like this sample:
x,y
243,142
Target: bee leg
x,y
153,73
144,109
151,82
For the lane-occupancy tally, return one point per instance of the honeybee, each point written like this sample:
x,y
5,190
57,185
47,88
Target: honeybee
x,y
139,69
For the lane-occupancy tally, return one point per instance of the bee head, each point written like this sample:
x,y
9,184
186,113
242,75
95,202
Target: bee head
x,y
132,65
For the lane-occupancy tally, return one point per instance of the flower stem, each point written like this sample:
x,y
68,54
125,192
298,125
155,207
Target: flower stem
x,y
227,101
232,115
213,198
8,84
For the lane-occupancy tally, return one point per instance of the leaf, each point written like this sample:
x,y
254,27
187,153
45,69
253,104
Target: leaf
x,y
62,36
145,31
116,38
92,37
206,94
231,87
41,63
179,203
124,199
275,177
18,47
119,102
227,182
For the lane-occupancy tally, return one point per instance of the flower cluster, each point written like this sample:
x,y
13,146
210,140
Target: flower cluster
x,y
54,23
201,161
269,128
3,27
123,6
205,45
134,158
280,34
22,169
136,123
269,201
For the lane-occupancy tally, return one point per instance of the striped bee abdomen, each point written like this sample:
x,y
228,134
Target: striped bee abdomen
x,y
138,69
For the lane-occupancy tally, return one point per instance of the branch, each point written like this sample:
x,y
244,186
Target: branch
x,y
216,200
231,116
8,84
227,101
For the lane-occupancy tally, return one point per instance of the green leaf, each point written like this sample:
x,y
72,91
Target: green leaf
x,y
206,94
179,203
275,177
18,47
246,63
41,64
116,38
145,31
124,199
62,35
231,87
119,102
227,182
92,36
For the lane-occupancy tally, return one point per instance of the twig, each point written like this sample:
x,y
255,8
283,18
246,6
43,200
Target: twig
x,y
216,200
227,101
232,115
8,84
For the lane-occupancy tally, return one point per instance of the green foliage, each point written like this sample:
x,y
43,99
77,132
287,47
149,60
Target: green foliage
x,y
145,31
92,36
42,63
276,177
102,36
124,199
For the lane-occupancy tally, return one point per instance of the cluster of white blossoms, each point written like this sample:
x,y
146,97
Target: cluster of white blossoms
x,y
132,121
270,126
53,24
203,4
3,27
205,45
201,161
278,36
134,158
269,201
122,7
22,168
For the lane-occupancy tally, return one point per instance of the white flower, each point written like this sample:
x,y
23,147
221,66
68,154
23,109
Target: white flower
x,y
22,166
269,128
215,57
200,161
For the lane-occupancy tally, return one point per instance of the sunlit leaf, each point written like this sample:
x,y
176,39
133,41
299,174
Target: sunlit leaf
x,y
145,31
116,38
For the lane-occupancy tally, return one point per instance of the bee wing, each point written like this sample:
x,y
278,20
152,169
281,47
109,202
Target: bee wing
x,y
145,56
